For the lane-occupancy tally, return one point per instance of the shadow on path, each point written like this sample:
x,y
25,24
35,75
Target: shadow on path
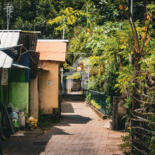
x,y
74,119
35,142
67,108
30,142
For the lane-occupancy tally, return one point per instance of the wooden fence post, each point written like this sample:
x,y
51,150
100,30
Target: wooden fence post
x,y
115,114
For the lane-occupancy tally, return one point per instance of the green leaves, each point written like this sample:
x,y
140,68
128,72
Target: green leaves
x,y
68,17
125,79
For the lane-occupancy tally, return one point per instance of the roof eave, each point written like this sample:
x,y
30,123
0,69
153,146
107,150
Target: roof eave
x,y
54,61
52,40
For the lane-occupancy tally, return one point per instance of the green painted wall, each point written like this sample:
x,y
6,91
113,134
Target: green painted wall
x,y
17,75
19,95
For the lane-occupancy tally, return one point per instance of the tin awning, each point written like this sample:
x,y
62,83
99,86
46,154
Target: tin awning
x,y
20,66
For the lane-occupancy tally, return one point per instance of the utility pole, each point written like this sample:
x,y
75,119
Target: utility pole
x,y
9,10
63,32
131,10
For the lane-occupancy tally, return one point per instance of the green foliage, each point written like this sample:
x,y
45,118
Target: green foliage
x,y
88,97
152,144
67,17
125,79
30,15
96,105
126,141
109,104
107,48
128,102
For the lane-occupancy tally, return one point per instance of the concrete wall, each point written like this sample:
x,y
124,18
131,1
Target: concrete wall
x,y
34,98
49,87
69,85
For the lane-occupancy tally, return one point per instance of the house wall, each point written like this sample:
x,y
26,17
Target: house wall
x,y
69,85
19,95
49,87
19,90
34,98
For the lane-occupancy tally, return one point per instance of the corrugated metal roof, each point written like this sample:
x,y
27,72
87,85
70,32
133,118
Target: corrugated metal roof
x,y
53,51
9,38
5,60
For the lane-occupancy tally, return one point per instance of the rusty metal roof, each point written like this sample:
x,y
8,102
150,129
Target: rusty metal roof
x,y
52,50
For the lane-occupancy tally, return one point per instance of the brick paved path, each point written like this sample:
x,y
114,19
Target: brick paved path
x,y
80,132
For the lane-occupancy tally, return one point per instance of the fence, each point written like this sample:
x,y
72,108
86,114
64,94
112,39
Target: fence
x,y
99,98
143,133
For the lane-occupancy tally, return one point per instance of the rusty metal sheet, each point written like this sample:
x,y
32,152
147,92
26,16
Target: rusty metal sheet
x,y
52,50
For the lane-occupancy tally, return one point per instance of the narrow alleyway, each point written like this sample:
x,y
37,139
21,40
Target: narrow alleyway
x,y
80,132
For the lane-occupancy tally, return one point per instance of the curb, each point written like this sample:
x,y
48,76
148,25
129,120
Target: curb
x,y
99,113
